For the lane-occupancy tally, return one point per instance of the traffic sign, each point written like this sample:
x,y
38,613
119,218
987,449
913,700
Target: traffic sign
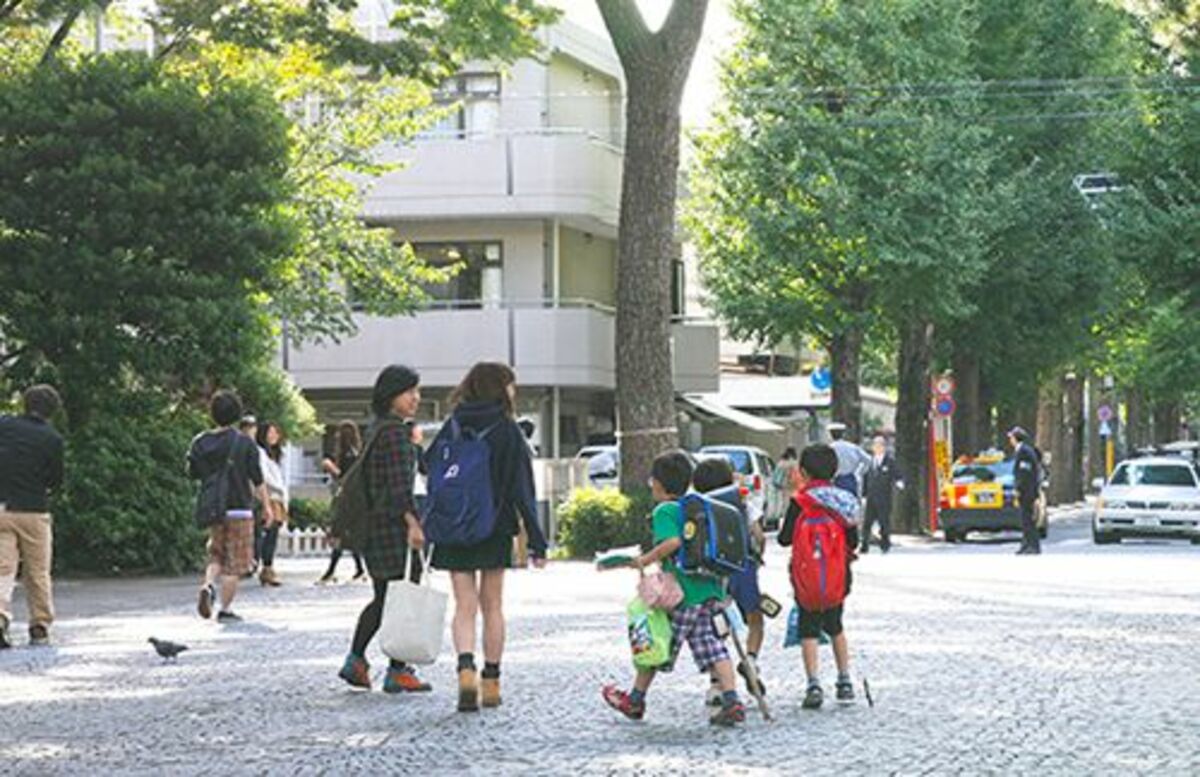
x,y
1104,413
944,385
821,379
1105,429
945,406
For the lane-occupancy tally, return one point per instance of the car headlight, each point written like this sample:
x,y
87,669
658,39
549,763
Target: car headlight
x,y
1185,507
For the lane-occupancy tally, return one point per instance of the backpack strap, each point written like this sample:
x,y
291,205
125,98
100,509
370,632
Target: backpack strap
x,y
364,458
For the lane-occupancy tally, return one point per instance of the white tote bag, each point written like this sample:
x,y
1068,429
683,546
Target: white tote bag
x,y
414,618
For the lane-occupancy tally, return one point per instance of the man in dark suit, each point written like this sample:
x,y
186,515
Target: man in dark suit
x,y
1027,468
881,481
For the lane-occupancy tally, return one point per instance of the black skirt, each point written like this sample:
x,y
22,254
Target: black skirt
x,y
493,553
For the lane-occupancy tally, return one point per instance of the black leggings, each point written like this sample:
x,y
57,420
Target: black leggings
x,y
336,555
270,539
372,614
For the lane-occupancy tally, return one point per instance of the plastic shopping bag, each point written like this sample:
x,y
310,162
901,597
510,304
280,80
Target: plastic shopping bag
x,y
649,635
792,639
414,618
660,590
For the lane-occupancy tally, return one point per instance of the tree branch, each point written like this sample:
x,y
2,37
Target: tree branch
x,y
626,27
8,7
60,35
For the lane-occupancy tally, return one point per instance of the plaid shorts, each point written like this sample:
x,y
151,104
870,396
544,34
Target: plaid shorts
x,y
231,545
695,626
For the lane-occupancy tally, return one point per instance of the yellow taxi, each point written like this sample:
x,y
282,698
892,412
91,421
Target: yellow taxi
x,y
981,496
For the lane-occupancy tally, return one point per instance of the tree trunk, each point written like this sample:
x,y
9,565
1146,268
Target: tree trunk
x,y
1135,427
912,426
1166,422
966,420
1049,437
845,405
1071,468
985,433
656,66
1095,444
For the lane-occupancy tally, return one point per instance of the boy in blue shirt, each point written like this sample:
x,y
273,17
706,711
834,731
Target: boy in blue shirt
x,y
692,620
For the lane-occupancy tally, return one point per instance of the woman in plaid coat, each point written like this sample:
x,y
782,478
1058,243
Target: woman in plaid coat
x,y
394,530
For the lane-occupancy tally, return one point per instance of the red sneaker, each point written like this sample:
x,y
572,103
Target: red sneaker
x,y
404,681
623,703
729,715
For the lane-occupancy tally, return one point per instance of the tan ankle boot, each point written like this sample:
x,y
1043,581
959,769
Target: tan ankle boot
x,y
468,691
490,691
268,577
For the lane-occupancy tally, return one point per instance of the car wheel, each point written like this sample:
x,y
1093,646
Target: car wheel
x,y
1104,538
1196,540
953,536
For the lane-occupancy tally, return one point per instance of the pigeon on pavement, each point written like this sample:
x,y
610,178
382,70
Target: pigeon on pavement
x,y
168,650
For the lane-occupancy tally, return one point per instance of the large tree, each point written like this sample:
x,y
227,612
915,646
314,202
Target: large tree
x,y
656,65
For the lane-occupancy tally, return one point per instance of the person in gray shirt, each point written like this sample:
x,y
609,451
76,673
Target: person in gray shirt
x,y
853,461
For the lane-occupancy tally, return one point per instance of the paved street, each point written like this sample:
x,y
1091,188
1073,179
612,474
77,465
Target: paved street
x,y
1083,660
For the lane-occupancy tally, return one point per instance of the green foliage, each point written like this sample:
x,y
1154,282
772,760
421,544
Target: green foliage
x,y
127,503
138,214
308,513
819,205
596,519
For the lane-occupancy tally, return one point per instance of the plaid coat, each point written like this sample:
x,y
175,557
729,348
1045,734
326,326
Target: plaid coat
x,y
391,471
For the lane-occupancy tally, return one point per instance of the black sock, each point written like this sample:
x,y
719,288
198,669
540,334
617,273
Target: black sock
x,y
466,661
491,670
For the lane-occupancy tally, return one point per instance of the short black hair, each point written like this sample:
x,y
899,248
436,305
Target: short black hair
x,y
41,400
225,407
712,474
674,470
789,452
819,462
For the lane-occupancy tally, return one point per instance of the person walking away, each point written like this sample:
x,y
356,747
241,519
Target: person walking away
x,y
781,486
1027,470
852,460
821,529
230,540
270,461
346,451
714,479
881,481
692,621
31,468
393,529
484,405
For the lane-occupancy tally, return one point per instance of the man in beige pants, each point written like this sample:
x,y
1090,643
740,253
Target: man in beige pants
x,y
31,466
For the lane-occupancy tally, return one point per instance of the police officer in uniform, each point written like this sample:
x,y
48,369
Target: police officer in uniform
x,y
1027,470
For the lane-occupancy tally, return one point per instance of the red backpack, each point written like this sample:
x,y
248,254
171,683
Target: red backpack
x,y
818,557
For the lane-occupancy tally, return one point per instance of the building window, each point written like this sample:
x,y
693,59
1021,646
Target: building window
x,y
480,275
473,102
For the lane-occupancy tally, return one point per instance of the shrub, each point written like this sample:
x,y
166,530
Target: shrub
x,y
127,503
594,520
308,513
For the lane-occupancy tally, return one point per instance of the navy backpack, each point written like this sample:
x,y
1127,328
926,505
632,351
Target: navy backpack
x,y
460,508
715,541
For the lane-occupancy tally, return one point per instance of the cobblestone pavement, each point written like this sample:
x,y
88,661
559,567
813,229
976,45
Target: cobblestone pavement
x,y
1083,660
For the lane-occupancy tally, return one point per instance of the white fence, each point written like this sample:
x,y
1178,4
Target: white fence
x,y
300,543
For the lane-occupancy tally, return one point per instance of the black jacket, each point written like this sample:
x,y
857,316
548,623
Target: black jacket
x,y
512,469
1027,471
31,463
208,454
879,484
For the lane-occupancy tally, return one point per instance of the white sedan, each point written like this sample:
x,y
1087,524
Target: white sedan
x,y
1150,497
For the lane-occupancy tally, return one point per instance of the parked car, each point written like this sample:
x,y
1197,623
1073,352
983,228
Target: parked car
x,y
982,496
1158,496
604,464
751,466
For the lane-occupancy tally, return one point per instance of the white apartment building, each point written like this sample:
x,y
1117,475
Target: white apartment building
x,y
520,184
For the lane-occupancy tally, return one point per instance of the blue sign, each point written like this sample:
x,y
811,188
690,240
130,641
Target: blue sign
x,y
945,407
821,379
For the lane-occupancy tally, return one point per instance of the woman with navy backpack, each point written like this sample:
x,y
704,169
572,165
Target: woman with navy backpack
x,y
484,408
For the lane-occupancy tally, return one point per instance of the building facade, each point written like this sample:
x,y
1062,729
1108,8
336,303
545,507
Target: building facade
x,y
519,186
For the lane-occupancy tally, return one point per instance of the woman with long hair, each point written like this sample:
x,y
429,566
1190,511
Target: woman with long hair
x,y
393,531
485,402
347,448
270,460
